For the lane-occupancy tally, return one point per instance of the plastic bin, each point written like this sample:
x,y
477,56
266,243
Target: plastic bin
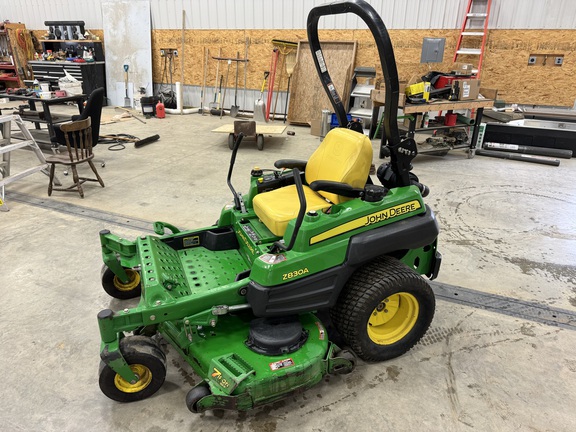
x,y
334,121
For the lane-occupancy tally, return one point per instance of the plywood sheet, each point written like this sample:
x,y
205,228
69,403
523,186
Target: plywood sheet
x,y
307,96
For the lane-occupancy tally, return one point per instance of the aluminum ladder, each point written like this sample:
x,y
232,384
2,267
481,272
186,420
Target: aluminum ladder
x,y
6,146
478,13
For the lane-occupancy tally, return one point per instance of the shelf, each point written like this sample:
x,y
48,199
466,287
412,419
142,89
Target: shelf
x,y
360,112
71,40
9,79
6,66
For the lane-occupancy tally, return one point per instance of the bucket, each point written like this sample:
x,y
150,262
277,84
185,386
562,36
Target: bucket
x,y
450,119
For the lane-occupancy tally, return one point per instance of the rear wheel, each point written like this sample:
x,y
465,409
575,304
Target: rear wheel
x,y
146,360
384,310
260,142
118,289
231,141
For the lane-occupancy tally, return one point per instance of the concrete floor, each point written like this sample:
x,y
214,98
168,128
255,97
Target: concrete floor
x,y
507,228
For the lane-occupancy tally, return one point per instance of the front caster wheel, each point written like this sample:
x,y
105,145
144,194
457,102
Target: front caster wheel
x,y
384,310
146,360
231,141
260,142
195,395
116,288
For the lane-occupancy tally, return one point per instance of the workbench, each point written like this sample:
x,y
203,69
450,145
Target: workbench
x,y
44,116
413,110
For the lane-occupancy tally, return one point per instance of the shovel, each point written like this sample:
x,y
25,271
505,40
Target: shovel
x,y
127,103
235,108
216,105
259,104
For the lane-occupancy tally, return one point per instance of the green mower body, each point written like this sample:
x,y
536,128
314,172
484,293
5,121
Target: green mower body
x,y
241,305
200,289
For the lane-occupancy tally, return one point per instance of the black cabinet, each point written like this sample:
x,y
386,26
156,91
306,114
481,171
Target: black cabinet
x,y
91,74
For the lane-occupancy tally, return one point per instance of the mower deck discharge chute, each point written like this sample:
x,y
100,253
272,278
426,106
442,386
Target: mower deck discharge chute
x,y
239,300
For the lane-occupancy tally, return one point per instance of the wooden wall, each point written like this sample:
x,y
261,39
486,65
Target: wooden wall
x,y
505,63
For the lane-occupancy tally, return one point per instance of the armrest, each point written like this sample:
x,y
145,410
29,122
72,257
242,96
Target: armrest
x,y
291,164
337,188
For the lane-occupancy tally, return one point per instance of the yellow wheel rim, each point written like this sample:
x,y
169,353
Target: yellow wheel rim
x,y
145,378
133,283
393,318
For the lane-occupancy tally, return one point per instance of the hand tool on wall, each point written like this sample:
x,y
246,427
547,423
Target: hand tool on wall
x,y
127,103
259,105
290,63
205,72
234,108
213,105
246,46
273,64
279,86
225,87
216,111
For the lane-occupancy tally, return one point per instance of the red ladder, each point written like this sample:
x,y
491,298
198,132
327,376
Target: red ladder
x,y
469,32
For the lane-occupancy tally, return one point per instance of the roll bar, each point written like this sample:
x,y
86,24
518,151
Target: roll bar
x,y
365,11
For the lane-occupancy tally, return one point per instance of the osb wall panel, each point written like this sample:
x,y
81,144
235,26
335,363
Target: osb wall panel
x,y
505,61
506,66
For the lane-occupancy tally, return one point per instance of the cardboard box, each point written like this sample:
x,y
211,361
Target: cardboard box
x,y
378,97
463,69
489,93
315,127
469,89
406,121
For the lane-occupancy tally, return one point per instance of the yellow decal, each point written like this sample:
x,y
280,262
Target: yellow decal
x,y
221,380
367,220
246,242
295,273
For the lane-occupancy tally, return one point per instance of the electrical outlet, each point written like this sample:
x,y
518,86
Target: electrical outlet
x,y
175,53
532,60
558,61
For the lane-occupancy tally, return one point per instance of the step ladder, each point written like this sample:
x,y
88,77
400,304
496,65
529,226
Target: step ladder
x,y
6,147
478,12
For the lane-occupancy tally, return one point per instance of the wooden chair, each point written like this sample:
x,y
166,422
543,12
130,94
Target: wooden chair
x,y
78,138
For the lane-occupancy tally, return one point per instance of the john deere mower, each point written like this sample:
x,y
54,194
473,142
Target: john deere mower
x,y
240,301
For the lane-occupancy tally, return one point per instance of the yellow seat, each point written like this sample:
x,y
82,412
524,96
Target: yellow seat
x,y
344,156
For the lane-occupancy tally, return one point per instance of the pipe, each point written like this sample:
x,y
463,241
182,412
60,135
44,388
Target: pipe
x,y
519,157
515,148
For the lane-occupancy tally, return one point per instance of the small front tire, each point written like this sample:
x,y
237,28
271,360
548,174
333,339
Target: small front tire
x,y
260,142
116,288
231,141
195,395
146,360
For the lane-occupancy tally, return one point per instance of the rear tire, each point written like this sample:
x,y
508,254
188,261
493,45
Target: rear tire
x,y
231,141
384,309
260,142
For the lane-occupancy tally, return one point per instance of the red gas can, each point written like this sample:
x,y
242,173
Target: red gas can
x,y
160,110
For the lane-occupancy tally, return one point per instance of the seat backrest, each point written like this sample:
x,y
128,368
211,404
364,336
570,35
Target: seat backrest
x,y
93,110
78,137
344,156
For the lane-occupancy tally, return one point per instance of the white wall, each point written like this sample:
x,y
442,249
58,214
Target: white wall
x,y
288,14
